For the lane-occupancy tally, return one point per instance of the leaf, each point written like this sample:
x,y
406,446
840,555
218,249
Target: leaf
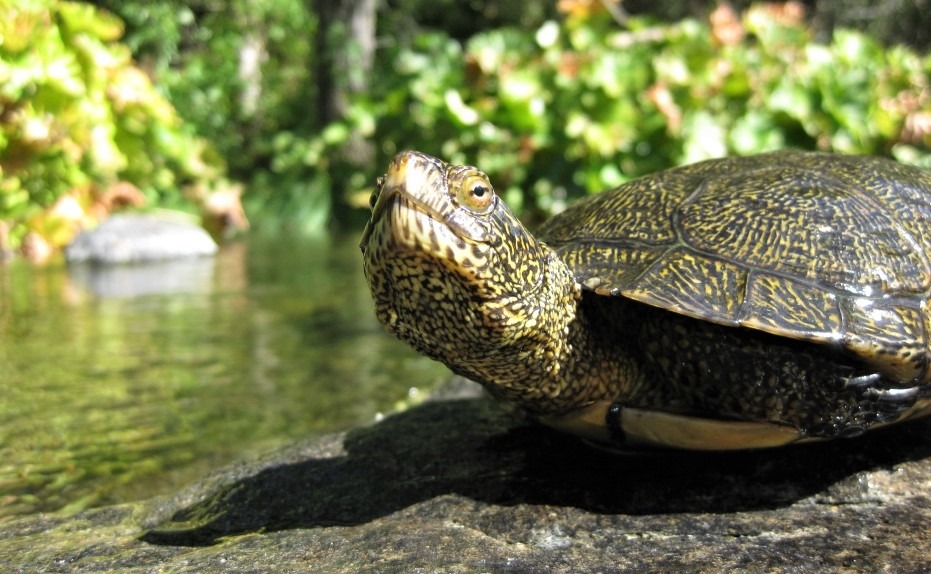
x,y
755,132
81,18
704,138
459,110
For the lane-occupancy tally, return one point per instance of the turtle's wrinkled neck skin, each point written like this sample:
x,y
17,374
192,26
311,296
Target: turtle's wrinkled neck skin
x,y
454,273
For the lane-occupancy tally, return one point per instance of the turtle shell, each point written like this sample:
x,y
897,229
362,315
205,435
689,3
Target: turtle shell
x,y
817,247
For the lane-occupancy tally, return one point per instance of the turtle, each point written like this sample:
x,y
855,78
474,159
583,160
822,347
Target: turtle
x,y
733,303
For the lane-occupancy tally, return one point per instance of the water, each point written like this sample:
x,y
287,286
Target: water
x,y
120,385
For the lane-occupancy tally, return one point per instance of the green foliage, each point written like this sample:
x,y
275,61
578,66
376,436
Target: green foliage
x,y
240,114
76,116
550,107
462,19
579,105
201,52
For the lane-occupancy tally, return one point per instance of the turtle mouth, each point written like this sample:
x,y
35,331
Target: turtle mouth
x,y
402,224
396,211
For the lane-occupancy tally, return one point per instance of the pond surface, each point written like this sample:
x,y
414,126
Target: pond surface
x,y
120,384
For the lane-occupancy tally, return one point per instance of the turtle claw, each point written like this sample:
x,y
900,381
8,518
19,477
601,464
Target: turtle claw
x,y
862,381
893,395
887,402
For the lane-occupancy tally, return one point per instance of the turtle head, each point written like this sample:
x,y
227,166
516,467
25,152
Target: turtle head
x,y
432,218
455,274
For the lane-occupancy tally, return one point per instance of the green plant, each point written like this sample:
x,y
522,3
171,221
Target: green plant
x,y
580,105
77,117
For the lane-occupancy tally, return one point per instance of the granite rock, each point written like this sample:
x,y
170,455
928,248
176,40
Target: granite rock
x,y
139,238
462,485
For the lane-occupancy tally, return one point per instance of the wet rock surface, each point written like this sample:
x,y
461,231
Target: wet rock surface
x,y
460,485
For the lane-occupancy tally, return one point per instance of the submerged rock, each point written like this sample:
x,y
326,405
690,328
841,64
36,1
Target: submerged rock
x,y
463,486
138,238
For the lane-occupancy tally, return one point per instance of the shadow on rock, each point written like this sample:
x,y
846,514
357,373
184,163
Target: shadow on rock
x,y
474,449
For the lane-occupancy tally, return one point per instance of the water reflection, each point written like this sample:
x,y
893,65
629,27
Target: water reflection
x,y
188,275
122,383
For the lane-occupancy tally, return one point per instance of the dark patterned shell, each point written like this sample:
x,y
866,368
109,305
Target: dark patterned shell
x,y
818,247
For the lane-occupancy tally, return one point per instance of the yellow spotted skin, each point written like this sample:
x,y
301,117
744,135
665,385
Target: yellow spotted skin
x,y
478,292
786,289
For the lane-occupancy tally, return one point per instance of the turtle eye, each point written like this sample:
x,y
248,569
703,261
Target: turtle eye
x,y
477,195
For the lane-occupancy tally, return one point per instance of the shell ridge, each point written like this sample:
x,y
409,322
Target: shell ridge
x,y
743,314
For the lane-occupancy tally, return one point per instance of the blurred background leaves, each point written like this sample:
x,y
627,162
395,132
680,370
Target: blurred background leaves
x,y
553,99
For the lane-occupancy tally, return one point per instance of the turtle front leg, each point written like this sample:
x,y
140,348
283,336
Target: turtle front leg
x,y
880,399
